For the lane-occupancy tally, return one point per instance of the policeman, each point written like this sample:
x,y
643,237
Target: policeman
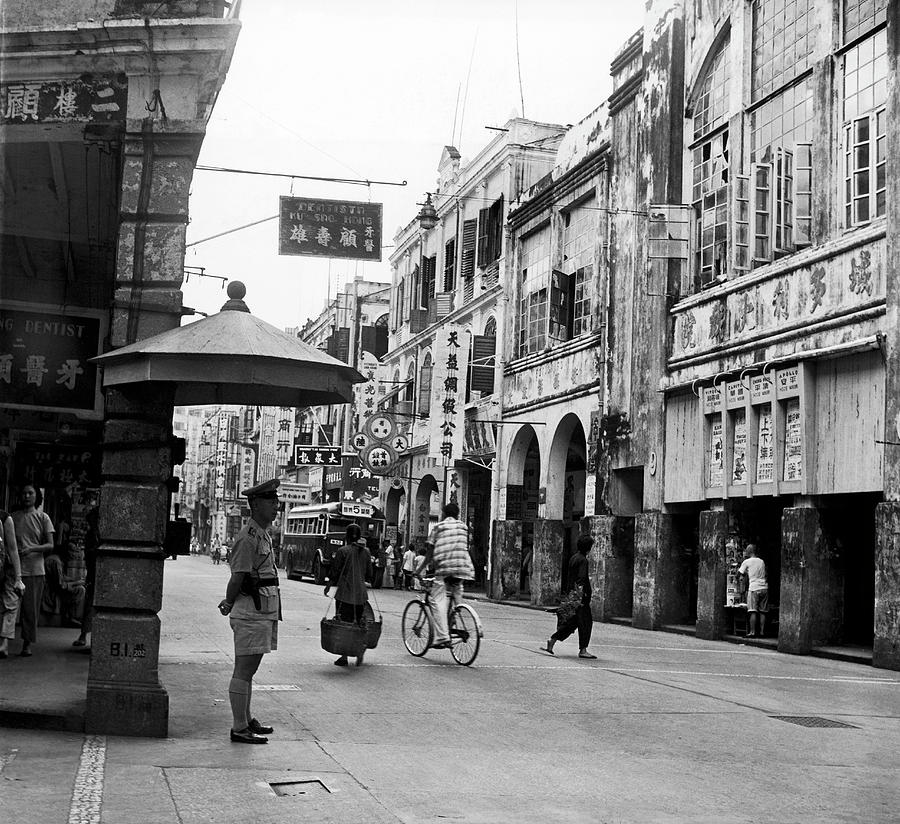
x,y
253,603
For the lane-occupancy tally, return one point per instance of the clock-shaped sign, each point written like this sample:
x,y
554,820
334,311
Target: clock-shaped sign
x,y
400,443
381,427
360,441
378,458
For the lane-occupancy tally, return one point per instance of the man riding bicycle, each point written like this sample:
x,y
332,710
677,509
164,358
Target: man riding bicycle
x,y
447,549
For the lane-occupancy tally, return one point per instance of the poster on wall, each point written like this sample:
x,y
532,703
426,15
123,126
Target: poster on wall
x,y
739,460
765,461
716,455
793,445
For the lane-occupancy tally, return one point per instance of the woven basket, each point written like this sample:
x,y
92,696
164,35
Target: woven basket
x,y
373,633
342,638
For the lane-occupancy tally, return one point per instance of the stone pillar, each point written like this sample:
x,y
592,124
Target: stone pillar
x,y
611,564
712,575
812,587
506,559
546,576
886,647
657,572
124,695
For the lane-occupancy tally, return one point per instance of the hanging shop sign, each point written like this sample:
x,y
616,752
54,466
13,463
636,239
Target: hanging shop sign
x,y
716,454
793,442
329,228
739,451
366,395
101,99
448,392
317,455
45,358
765,460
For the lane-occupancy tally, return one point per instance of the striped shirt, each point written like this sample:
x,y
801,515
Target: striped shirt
x,y
450,539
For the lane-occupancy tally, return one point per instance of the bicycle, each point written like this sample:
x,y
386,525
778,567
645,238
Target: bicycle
x,y
463,623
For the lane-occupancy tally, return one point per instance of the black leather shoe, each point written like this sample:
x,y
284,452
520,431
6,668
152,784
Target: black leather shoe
x,y
248,737
260,729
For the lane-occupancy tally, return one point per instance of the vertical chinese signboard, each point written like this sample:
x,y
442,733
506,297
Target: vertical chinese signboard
x,y
329,228
366,395
45,358
448,393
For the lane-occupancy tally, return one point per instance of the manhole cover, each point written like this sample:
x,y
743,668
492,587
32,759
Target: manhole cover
x,y
299,788
812,721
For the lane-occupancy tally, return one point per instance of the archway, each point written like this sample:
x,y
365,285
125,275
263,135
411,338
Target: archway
x,y
395,514
566,477
427,510
522,498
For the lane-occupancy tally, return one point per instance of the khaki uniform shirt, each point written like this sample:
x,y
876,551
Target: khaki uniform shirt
x,y
252,552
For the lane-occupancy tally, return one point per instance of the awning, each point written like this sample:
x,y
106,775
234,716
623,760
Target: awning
x,y
233,358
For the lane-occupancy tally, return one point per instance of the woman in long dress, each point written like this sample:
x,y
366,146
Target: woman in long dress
x,y
350,567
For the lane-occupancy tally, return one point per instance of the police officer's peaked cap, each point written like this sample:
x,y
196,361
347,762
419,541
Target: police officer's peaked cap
x,y
267,489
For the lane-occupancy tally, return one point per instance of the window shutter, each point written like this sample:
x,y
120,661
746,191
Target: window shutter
x,y
450,265
425,390
483,229
802,230
761,181
741,261
469,238
482,375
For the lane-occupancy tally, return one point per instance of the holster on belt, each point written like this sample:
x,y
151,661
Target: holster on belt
x,y
250,587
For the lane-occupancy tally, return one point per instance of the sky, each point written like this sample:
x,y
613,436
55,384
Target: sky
x,y
374,90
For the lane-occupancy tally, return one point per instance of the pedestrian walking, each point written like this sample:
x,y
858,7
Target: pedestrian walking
x,y
11,585
350,566
575,611
388,549
757,591
447,549
253,603
409,565
34,536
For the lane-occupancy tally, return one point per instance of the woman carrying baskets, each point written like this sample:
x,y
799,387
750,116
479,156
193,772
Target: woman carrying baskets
x,y
350,567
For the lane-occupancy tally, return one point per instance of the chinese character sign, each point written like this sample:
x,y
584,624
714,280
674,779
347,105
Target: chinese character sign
x,y
44,359
101,99
329,228
448,394
366,395
318,456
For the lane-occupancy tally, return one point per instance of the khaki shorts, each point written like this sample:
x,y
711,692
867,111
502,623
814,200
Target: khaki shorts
x,y
758,601
253,636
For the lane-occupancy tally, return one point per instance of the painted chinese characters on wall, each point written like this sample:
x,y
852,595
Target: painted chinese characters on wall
x,y
100,99
45,359
765,456
788,299
716,454
793,442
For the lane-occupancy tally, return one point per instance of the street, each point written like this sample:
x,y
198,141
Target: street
x,y
660,727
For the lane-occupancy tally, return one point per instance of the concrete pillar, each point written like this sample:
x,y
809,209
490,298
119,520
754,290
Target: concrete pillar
x,y
546,577
812,586
124,695
886,646
611,564
506,559
658,577
712,575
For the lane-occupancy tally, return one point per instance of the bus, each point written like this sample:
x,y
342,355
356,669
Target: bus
x,y
313,533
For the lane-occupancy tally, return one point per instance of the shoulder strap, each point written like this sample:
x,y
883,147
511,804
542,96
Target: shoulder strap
x,y
4,516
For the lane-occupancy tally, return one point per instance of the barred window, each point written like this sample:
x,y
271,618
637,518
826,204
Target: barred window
x,y
783,40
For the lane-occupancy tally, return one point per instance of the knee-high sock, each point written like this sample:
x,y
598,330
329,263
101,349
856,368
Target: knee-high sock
x,y
239,695
249,693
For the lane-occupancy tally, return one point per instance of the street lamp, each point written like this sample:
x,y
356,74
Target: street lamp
x,y
428,216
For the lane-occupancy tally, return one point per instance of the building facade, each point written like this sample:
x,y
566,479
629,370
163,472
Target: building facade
x,y
108,102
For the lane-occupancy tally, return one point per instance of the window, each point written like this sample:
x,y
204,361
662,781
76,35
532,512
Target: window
x,y
783,40
490,233
410,384
782,120
865,130
429,270
862,15
467,262
534,280
425,386
400,313
450,265
710,200
578,254
711,104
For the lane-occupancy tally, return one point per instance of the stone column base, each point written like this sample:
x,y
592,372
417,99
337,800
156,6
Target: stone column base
x,y
712,575
506,560
886,644
126,709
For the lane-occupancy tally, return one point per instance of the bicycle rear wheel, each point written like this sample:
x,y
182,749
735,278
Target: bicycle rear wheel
x,y
465,634
418,633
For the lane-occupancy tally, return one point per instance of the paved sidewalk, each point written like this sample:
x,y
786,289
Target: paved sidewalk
x,y
661,728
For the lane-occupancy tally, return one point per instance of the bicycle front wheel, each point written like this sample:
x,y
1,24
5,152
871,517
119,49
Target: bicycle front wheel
x,y
418,633
465,634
